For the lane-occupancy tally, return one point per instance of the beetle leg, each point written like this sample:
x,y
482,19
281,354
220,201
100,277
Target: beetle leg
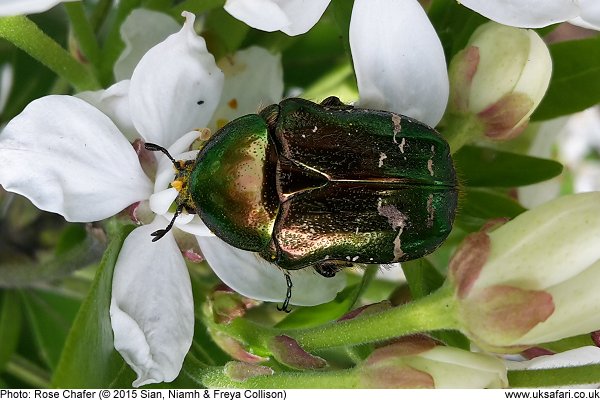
x,y
335,102
162,232
328,269
288,295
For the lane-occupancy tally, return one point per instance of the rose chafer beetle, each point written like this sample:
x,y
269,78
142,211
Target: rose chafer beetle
x,y
322,186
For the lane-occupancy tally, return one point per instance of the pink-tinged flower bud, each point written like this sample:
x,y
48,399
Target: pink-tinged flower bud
x,y
240,371
288,352
224,305
500,78
419,362
532,280
235,348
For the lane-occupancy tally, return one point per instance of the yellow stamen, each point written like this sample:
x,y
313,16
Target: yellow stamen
x,y
177,185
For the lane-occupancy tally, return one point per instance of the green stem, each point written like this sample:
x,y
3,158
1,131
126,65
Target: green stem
x,y
585,374
430,313
100,13
197,7
461,129
114,44
329,82
344,379
26,35
83,30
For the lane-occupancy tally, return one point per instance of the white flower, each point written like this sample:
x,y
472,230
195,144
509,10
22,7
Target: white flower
x,y
72,158
293,17
17,7
538,13
398,58
532,280
419,362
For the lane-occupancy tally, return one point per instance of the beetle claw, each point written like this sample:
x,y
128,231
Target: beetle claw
x,y
158,234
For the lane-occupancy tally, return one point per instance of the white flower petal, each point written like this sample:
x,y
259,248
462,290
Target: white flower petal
x,y
584,24
6,83
16,7
161,201
293,17
175,88
67,157
141,30
253,78
590,13
398,59
114,102
248,274
152,311
193,225
570,358
182,145
525,13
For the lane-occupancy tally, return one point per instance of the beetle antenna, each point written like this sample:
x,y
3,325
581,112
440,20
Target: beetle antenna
x,y
155,147
162,232
288,295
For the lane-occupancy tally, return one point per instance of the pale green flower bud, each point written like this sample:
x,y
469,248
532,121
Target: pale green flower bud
x,y
534,279
419,362
500,78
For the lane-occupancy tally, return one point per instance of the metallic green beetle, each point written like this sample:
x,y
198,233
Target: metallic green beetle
x,y
322,186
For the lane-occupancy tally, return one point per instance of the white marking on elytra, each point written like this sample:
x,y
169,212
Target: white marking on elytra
x,y
430,211
314,129
382,157
397,220
354,258
356,230
430,161
397,123
303,135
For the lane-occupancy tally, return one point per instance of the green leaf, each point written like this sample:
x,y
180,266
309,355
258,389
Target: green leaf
x,y
481,166
50,317
306,317
575,82
89,359
478,206
454,24
10,325
422,277
341,13
223,33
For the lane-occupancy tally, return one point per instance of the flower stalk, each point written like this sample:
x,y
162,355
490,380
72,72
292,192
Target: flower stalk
x,y
25,34
430,313
566,376
84,31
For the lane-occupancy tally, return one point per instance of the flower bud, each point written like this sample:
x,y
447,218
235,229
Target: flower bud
x,y
534,279
224,305
500,78
418,362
